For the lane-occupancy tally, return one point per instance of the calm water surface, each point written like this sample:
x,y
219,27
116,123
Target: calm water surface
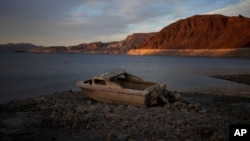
x,y
24,75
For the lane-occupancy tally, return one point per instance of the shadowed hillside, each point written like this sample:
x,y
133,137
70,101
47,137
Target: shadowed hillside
x,y
16,47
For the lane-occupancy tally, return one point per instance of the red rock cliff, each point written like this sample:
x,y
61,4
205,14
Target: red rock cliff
x,y
202,32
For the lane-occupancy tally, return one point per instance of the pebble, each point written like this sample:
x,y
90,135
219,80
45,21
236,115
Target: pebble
x,y
89,102
132,108
106,109
205,130
111,116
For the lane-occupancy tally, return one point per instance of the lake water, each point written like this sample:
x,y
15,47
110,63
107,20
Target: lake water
x,y
30,74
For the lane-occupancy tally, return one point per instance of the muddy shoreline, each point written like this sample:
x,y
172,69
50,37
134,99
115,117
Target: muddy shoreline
x,y
239,78
70,115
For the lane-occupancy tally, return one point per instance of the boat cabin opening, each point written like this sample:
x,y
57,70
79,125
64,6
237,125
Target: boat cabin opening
x,y
99,82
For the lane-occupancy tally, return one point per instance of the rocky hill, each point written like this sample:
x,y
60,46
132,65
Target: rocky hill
x,y
52,49
116,47
199,35
202,32
21,47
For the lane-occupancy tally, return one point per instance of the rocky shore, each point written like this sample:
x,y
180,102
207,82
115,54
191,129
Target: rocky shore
x,y
70,115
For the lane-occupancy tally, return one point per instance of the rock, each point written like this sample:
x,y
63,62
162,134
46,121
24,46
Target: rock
x,y
205,130
179,121
53,114
162,132
92,108
167,106
122,137
57,107
112,136
106,109
112,116
177,97
177,132
136,118
89,102
81,109
43,107
88,118
178,105
125,123
70,107
219,137
132,108
203,111
191,107
197,106
119,109
116,136
69,115
75,124
40,98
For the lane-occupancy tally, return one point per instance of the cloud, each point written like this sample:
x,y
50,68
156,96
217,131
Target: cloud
x,y
64,22
119,18
243,8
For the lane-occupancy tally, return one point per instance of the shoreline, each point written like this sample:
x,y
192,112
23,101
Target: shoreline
x,y
70,115
239,78
237,53
218,53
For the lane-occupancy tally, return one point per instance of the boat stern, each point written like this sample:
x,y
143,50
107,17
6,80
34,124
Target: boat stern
x,y
153,93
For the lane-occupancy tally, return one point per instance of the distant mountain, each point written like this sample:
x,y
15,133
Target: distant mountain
x,y
52,49
20,47
119,47
202,32
199,35
115,47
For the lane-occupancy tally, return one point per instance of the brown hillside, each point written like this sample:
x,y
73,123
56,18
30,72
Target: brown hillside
x,y
136,39
202,32
117,47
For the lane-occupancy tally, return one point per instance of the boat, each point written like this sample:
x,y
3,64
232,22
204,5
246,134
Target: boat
x,y
120,87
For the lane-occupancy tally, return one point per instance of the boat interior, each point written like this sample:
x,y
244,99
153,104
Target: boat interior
x,y
131,82
126,81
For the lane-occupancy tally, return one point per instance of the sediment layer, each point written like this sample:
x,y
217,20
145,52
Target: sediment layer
x,y
242,52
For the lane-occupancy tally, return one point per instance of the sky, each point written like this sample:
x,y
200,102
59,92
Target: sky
x,y
71,22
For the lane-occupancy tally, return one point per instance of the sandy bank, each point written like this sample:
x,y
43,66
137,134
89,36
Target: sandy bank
x,y
71,115
242,52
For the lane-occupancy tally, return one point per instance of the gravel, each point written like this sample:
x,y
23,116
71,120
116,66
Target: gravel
x,y
70,115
